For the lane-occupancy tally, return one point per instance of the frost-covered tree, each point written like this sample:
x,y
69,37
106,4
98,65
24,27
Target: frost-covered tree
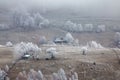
x,y
9,44
84,50
38,19
6,68
34,75
73,27
44,23
62,74
69,38
22,76
117,38
2,74
19,17
94,44
29,23
51,53
80,28
23,48
88,27
38,75
101,28
70,26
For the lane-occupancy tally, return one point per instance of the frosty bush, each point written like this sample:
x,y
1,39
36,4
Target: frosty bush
x,y
9,44
69,38
44,23
6,68
23,48
84,50
94,44
38,75
51,53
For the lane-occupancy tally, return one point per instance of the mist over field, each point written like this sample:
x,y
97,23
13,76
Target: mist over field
x,y
59,39
93,8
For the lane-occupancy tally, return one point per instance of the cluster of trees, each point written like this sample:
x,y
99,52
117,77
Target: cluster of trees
x,y
22,18
38,75
73,27
94,44
91,45
23,48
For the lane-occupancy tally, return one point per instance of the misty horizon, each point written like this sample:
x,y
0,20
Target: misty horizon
x,y
99,8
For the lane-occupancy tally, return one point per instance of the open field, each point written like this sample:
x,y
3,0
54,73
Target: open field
x,y
96,65
6,55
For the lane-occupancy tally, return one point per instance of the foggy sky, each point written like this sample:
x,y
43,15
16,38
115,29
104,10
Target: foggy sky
x,y
92,7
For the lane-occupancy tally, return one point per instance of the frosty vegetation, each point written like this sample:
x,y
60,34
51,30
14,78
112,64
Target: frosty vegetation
x,y
23,19
84,50
73,27
29,48
117,39
51,53
3,73
9,44
91,45
94,45
101,28
69,38
38,75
